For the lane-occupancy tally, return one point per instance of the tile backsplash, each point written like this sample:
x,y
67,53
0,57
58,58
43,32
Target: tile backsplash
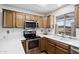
x,y
77,32
45,31
10,30
7,31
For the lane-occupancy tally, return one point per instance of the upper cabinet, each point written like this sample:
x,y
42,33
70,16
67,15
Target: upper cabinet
x,y
44,22
48,22
20,18
14,19
8,18
33,17
40,21
27,17
77,16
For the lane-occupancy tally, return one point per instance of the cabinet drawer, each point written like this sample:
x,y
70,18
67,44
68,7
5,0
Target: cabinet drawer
x,y
62,45
51,41
50,48
60,50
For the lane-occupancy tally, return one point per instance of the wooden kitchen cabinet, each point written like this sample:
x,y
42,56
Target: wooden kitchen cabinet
x,y
48,22
50,47
44,23
42,44
50,19
77,16
8,18
40,21
20,18
27,17
14,16
14,19
62,45
54,47
32,17
60,50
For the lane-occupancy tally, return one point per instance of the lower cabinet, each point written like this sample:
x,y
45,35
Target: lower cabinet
x,y
42,44
54,47
50,48
60,50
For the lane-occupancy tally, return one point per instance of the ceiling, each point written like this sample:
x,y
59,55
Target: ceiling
x,y
37,8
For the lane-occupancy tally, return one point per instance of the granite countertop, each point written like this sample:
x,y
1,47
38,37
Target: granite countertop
x,y
72,42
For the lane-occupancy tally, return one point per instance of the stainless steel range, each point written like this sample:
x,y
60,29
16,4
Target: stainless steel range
x,y
32,40
30,33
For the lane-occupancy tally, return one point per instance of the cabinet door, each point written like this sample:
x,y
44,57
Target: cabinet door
x,y
8,18
42,44
20,18
28,17
32,17
44,23
60,50
40,21
14,18
50,19
77,16
50,48
63,45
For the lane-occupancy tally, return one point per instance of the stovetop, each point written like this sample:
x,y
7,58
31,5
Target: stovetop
x,y
30,38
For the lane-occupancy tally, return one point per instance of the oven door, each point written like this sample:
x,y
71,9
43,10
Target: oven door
x,y
32,44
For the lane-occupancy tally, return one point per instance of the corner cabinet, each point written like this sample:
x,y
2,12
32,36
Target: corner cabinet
x,y
20,18
54,47
48,22
8,18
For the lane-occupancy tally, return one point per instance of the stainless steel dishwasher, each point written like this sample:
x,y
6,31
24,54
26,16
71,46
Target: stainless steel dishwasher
x,y
74,50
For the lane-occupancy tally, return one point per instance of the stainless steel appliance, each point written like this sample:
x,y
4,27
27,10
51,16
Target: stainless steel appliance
x,y
30,24
29,29
32,40
74,50
32,44
30,34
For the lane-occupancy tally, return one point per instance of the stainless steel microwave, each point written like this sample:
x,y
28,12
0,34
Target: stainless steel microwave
x,y
30,24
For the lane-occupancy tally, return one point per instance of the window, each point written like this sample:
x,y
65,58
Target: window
x,y
65,24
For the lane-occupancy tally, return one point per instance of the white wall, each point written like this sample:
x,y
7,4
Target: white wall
x,y
61,11
0,16
18,9
64,10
